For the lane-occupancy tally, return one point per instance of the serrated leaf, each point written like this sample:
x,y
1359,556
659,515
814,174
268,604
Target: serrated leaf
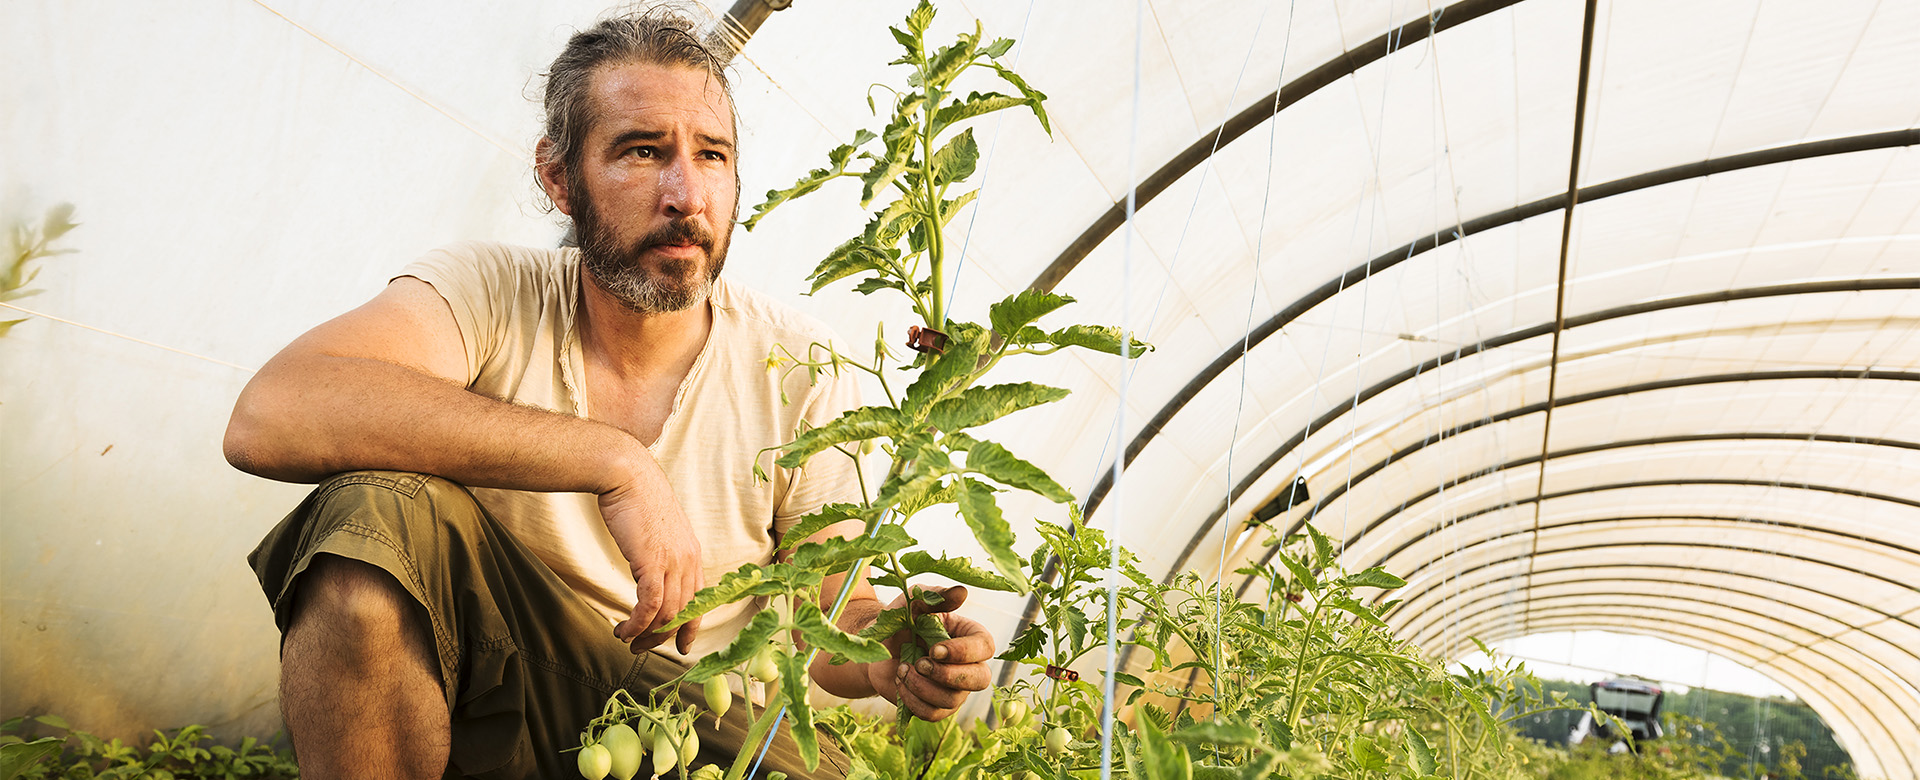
x,y
886,624
875,284
818,633
1027,644
1011,315
951,208
1375,577
982,513
866,422
975,104
895,158
836,168
7,325
794,681
1301,574
1099,338
998,48
1355,609
1322,548
758,631
982,405
910,43
817,522
852,256
748,580
907,492
920,18
959,570
885,228
1419,754
996,463
834,554
956,160
1034,98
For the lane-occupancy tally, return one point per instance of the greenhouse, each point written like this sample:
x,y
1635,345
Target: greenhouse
x,y
1433,325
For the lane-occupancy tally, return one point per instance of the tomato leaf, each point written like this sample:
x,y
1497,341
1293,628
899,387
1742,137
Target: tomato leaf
x,y
1099,338
1375,577
836,168
982,405
1419,754
996,463
836,553
959,570
1021,308
748,580
793,682
982,513
956,160
866,422
965,341
817,522
818,633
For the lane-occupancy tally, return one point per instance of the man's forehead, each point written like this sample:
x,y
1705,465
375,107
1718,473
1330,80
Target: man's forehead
x,y
630,94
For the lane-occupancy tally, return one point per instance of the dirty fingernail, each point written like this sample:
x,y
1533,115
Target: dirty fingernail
x,y
940,652
924,666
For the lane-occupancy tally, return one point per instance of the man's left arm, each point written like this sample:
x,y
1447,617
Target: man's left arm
x,y
933,687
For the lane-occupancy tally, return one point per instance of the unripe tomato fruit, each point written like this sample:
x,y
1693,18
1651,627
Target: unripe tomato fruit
x,y
665,755
624,743
1057,740
690,747
594,762
1014,711
762,667
719,698
709,772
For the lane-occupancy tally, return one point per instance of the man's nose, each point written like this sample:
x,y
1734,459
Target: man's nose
x,y
680,191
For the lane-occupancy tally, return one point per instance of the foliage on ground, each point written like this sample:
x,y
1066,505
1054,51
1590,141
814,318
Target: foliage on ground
x,y
29,752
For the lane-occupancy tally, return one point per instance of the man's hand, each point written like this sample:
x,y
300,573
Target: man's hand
x,y
664,556
934,687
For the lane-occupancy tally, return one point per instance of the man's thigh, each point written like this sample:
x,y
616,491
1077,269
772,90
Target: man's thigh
x,y
525,662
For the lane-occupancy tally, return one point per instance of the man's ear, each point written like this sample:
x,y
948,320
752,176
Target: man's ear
x,y
553,176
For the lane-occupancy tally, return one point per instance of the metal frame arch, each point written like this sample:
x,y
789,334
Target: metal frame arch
x,y
1434,634
1866,747
1622,572
1696,481
1382,520
1349,404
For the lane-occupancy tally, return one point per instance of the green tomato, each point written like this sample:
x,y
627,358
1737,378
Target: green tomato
x,y
719,698
665,755
690,747
624,743
1057,740
709,772
762,667
594,762
1014,710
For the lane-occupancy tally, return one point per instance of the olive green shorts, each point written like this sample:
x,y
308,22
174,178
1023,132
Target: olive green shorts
x,y
525,662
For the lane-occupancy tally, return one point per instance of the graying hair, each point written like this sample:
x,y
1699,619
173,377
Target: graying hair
x,y
660,35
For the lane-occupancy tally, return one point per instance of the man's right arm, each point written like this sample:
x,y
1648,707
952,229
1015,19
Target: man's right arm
x,y
383,387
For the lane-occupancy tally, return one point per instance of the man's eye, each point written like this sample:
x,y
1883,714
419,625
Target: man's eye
x,y
715,156
642,151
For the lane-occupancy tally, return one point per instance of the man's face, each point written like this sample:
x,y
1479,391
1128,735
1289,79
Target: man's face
x,y
653,193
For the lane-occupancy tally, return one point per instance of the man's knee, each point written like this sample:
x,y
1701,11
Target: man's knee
x,y
358,610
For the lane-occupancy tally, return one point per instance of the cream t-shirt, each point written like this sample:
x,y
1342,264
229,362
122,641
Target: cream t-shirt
x,y
515,307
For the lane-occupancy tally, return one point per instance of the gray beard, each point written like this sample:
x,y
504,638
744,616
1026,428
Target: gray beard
x,y
618,272
643,291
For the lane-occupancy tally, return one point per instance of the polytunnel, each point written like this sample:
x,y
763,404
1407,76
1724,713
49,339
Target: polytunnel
x,y
1575,315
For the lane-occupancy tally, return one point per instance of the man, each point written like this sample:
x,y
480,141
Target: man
x,y
590,421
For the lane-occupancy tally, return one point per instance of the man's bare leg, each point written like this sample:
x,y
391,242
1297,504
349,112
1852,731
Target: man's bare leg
x,y
359,678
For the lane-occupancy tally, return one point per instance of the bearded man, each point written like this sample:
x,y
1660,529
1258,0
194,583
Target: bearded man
x,y
530,459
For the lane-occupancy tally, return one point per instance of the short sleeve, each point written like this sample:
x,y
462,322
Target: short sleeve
x,y
829,477
471,278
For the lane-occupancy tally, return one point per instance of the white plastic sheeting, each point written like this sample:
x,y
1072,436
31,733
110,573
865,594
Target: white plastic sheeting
x,y
1732,454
